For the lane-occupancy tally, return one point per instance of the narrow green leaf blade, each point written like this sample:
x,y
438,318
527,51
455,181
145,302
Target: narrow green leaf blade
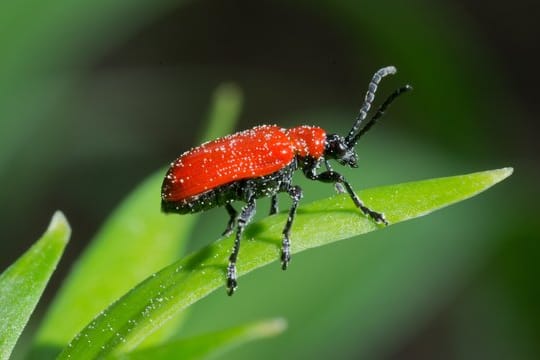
x,y
145,308
118,257
200,347
22,284
227,105
114,262
224,113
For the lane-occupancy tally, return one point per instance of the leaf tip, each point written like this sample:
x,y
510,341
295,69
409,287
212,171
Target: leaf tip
x,y
229,92
271,327
507,171
60,223
499,175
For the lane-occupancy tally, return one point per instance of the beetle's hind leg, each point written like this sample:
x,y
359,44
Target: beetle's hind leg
x,y
245,217
232,219
274,205
295,192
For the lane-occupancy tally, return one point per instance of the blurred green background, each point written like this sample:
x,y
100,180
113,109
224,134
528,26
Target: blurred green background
x,y
96,95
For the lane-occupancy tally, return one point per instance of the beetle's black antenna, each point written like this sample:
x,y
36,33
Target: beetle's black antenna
x,y
370,96
381,110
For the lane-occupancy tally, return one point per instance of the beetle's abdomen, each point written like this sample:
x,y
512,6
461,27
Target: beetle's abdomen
x,y
259,187
253,153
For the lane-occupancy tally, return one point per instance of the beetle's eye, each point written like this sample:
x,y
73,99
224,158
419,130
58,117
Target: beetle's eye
x,y
336,148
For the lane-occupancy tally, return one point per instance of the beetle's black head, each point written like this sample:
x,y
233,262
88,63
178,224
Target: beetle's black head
x,y
336,148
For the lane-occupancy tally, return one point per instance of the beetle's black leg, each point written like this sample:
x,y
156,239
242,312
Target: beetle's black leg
x,y
338,186
295,192
232,219
274,205
334,177
245,217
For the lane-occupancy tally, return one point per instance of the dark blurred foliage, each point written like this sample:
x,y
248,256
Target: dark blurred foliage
x,y
88,109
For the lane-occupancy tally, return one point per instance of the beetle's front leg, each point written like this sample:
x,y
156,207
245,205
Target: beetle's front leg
x,y
337,185
334,177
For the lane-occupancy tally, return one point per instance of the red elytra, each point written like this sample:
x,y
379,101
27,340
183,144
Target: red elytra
x,y
260,162
252,153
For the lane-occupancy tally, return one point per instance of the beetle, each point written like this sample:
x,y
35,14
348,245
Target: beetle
x,y
260,162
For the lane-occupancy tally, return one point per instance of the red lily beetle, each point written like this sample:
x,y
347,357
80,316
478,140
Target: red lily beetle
x,y
260,162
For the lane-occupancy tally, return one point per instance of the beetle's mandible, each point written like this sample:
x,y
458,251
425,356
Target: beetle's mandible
x,y
259,163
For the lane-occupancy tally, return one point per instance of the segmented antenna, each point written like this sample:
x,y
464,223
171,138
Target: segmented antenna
x,y
381,110
370,96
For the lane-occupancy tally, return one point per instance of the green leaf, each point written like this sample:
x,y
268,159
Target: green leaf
x,y
148,306
22,284
137,240
200,347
